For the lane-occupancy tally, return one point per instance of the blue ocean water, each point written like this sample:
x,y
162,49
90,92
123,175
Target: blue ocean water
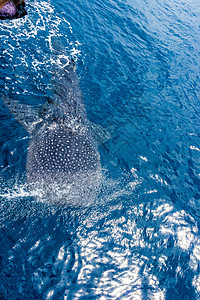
x,y
138,236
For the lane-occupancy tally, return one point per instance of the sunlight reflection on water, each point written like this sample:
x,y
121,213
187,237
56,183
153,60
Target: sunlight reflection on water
x,y
136,236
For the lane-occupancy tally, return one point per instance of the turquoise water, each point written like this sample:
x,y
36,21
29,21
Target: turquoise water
x,y
137,236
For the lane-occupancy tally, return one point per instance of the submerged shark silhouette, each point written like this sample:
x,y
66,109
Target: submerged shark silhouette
x,y
61,142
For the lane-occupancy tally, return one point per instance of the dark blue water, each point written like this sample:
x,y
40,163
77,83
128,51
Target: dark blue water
x,y
138,236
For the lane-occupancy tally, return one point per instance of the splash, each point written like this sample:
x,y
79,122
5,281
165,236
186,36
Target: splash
x,y
82,190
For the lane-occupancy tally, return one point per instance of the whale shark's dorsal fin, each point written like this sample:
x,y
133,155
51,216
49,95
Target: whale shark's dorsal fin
x,y
26,115
66,92
65,79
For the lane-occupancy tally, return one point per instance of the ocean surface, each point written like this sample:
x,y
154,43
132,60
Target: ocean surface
x,y
137,236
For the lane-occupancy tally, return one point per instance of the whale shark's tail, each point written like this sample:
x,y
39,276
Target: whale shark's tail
x,y
65,106
66,103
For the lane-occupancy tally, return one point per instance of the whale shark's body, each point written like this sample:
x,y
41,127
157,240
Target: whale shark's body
x,y
61,144
56,150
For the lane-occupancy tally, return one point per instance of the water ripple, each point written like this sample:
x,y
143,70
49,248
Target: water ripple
x,y
137,237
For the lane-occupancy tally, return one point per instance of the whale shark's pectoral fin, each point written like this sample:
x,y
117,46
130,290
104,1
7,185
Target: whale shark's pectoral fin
x,y
24,114
100,134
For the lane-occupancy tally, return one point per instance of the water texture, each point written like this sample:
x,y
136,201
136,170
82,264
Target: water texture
x,y
137,236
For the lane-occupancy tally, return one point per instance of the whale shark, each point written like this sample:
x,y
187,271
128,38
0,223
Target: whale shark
x,y
61,143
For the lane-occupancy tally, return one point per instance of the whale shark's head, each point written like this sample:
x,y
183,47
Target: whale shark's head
x,y
58,152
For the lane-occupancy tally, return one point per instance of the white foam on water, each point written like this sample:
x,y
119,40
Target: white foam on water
x,y
79,190
24,38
